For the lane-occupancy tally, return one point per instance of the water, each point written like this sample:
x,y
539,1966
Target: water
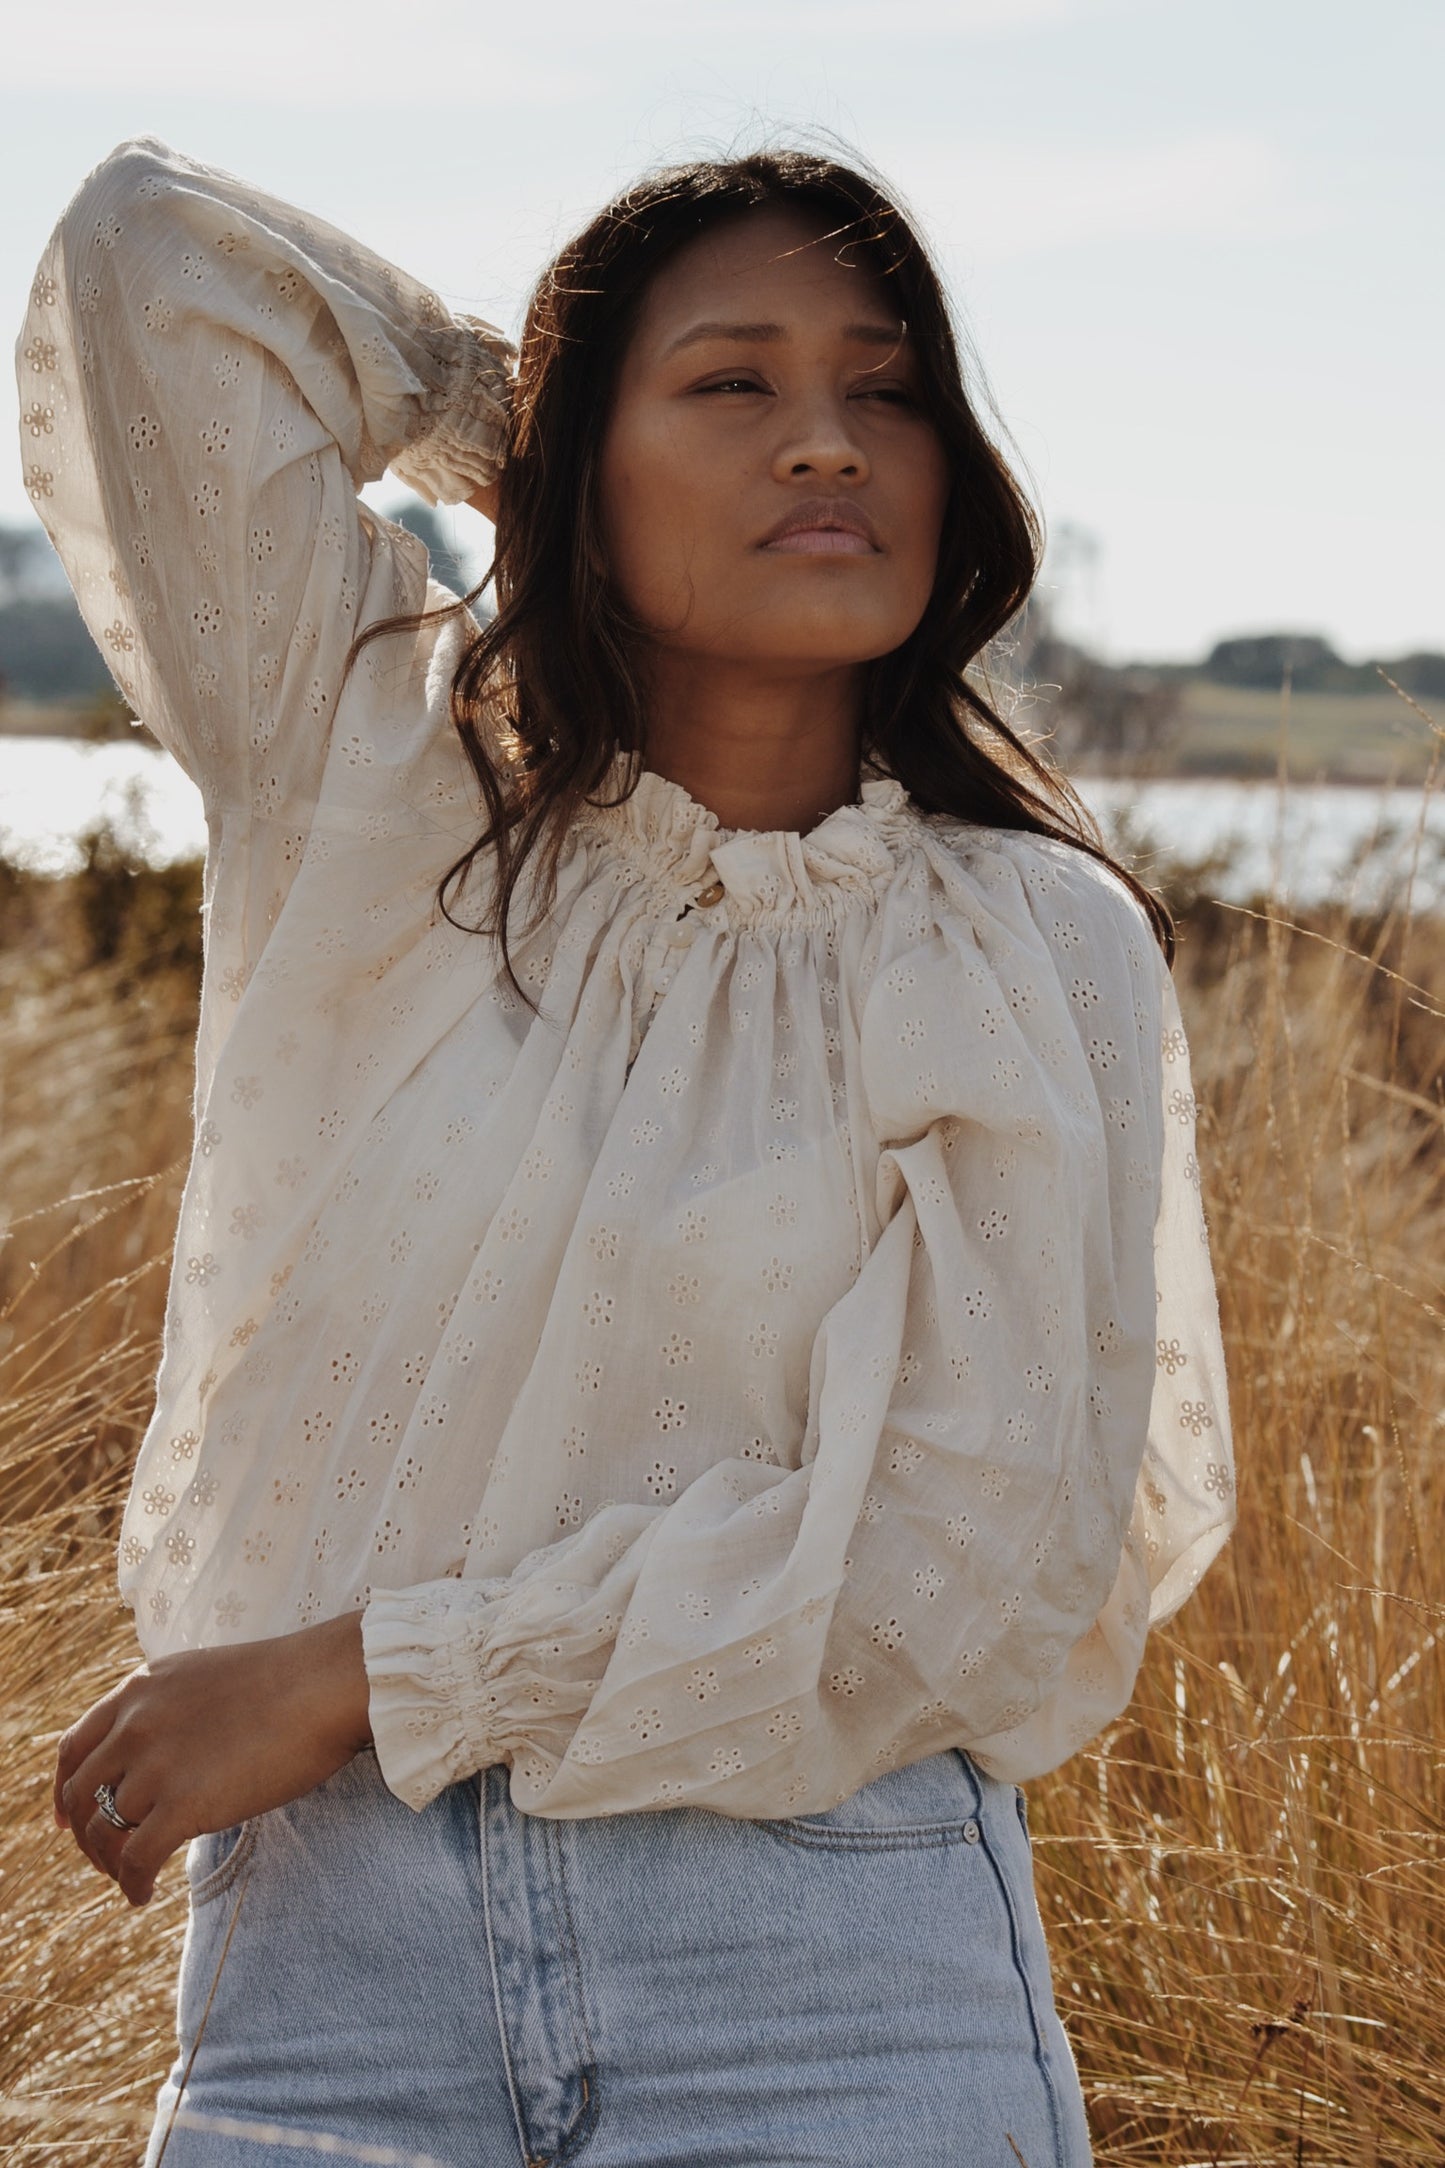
x,y
53,789
1317,843
1314,843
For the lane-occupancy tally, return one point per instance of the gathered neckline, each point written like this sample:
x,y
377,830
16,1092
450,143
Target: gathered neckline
x,y
661,834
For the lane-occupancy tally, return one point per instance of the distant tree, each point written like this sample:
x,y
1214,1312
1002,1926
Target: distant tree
x,y
1262,658
29,567
45,651
1421,673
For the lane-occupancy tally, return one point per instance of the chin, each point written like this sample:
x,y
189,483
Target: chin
x,y
834,637
840,647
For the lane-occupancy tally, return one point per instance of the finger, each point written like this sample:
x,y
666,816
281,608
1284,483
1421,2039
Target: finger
x,y
93,1833
144,1854
102,1839
104,1844
79,1808
81,1739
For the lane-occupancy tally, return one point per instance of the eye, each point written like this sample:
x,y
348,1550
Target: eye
x,y
732,383
894,394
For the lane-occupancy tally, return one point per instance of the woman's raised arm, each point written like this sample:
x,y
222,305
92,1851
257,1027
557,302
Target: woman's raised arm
x,y
206,379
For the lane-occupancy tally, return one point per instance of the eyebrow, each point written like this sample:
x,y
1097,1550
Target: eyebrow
x,y
865,334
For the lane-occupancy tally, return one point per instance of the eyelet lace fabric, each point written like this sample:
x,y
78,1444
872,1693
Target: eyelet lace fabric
x,y
792,1352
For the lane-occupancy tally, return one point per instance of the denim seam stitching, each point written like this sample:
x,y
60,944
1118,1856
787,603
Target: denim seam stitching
x,y
497,1997
219,1880
585,2121
1041,2052
924,1836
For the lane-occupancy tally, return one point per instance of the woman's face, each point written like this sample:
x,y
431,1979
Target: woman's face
x,y
764,384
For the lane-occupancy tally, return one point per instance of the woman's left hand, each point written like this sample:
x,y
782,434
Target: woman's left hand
x,y
205,1739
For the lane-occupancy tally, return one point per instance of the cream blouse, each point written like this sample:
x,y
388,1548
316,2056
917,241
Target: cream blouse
x,y
794,1352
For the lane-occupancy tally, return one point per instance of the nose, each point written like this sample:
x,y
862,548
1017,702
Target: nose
x,y
819,440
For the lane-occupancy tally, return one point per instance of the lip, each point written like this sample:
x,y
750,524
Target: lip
x,y
829,526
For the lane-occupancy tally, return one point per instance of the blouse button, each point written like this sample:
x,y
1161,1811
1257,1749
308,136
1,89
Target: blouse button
x,y
971,1833
713,893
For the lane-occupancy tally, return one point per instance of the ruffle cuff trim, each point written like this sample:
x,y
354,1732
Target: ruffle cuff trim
x,y
435,1709
461,442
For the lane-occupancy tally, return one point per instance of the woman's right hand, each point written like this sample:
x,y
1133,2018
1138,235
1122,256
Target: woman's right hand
x,y
204,1738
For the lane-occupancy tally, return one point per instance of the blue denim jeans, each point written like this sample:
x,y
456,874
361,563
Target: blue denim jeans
x,y
473,1987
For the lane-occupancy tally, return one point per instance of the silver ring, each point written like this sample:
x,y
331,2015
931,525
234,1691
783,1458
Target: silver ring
x,y
105,1800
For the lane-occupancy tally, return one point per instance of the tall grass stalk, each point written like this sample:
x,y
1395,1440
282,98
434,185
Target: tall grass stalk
x,y
1242,1880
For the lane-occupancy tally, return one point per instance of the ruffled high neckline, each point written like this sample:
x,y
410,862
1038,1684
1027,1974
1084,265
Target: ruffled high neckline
x,y
776,875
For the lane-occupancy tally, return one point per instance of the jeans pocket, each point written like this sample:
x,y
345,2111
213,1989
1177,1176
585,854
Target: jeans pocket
x,y
929,1802
214,1859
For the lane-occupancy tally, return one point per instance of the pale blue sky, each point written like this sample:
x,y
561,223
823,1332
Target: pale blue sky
x,y
1198,247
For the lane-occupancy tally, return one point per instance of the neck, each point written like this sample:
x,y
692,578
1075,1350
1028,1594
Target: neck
x,y
759,751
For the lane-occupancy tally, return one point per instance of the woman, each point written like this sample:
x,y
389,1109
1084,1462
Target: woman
x,y
691,1362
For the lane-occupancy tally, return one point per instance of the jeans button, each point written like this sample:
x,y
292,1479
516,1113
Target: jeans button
x,y
971,1833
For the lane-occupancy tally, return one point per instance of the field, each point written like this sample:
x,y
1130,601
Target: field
x,y
1242,1881
1341,737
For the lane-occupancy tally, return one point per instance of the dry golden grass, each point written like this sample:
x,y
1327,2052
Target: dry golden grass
x,y
1242,1881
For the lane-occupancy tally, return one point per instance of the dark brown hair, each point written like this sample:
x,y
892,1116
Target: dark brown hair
x,y
550,683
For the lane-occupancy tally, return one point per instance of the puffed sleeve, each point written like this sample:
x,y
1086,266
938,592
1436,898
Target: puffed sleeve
x,y
1017,1449
206,380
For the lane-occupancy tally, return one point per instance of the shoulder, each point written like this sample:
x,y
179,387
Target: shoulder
x,y
1071,896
